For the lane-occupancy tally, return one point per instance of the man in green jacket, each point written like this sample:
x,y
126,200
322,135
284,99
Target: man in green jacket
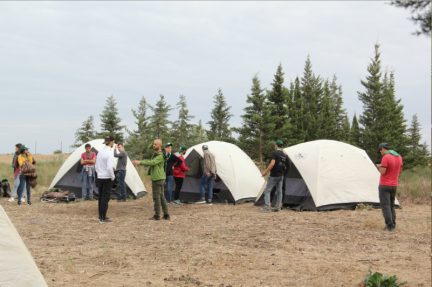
x,y
157,176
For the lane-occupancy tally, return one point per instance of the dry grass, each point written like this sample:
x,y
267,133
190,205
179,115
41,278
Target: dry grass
x,y
221,244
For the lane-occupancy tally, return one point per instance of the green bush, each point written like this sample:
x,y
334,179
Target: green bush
x,y
57,152
377,280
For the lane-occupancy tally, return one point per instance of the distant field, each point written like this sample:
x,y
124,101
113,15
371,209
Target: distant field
x,y
7,158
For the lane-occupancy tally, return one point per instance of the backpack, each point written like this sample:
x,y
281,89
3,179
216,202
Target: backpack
x,y
27,167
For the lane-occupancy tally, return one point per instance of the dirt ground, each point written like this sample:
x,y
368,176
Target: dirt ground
x,y
7,158
221,245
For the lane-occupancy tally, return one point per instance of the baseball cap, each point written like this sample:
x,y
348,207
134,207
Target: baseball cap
x,y
168,144
23,147
183,148
383,145
279,143
205,147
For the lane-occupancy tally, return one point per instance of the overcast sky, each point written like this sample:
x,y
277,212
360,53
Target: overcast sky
x,y
59,61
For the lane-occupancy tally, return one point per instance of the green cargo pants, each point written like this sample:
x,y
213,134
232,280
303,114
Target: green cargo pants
x,y
159,197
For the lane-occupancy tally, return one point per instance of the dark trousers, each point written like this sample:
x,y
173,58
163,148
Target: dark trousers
x,y
159,197
273,191
24,183
387,195
121,174
105,186
179,184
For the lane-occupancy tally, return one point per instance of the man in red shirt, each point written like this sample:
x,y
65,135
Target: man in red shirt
x,y
390,168
88,159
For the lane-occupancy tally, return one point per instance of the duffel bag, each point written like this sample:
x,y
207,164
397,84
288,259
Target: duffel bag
x,y
27,167
32,182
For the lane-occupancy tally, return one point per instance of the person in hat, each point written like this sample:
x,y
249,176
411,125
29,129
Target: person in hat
x,y
179,174
390,168
121,169
88,160
277,167
25,155
105,175
172,161
209,175
16,170
157,176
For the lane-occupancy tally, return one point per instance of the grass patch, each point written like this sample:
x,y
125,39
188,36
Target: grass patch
x,y
415,185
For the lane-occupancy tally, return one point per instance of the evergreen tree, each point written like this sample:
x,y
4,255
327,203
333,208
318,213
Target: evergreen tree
x,y
198,135
355,132
182,128
159,120
296,114
279,98
345,136
85,133
339,112
311,93
326,117
137,142
418,153
110,122
419,14
255,123
220,114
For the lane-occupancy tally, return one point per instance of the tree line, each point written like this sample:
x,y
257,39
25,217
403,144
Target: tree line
x,y
306,109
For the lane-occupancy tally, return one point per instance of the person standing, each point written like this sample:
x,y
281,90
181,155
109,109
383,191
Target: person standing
x,y
390,168
88,159
277,167
157,176
105,174
172,161
121,169
16,170
209,175
285,173
25,155
179,175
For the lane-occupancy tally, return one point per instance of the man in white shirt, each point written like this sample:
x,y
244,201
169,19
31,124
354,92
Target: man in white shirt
x,y
105,175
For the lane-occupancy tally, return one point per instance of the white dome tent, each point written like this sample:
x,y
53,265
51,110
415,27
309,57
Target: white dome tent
x,y
328,175
239,179
67,176
17,266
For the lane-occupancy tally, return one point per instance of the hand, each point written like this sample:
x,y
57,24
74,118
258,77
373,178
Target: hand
x,y
115,146
136,162
112,179
215,177
263,174
378,165
208,174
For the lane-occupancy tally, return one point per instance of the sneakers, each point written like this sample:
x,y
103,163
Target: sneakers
x,y
11,199
389,228
29,202
168,203
209,202
166,217
106,220
155,217
202,201
264,210
19,202
177,202
276,210
121,200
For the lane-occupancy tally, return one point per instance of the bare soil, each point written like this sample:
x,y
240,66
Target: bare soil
x,y
221,245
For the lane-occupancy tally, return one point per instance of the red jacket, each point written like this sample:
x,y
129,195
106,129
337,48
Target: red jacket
x,y
179,171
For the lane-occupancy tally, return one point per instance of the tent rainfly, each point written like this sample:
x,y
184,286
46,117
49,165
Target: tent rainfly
x,y
67,176
17,266
329,175
239,180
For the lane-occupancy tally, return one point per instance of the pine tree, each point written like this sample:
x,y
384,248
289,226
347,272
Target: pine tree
x,y
182,128
296,114
355,132
255,123
338,111
311,93
371,133
326,117
278,104
198,135
220,114
85,133
345,136
418,153
138,140
110,122
159,120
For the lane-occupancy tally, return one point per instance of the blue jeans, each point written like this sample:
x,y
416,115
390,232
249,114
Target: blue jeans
x,y
121,175
209,181
16,185
271,182
23,183
169,180
87,179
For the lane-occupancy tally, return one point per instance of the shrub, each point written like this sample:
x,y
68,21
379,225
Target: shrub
x,y
377,280
58,152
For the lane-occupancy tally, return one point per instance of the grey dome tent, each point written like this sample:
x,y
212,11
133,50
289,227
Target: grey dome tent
x,y
67,176
329,175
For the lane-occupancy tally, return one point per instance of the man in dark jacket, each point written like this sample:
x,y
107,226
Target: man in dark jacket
x,y
172,160
121,169
273,192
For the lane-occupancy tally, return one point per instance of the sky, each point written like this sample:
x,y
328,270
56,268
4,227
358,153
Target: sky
x,y
60,61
